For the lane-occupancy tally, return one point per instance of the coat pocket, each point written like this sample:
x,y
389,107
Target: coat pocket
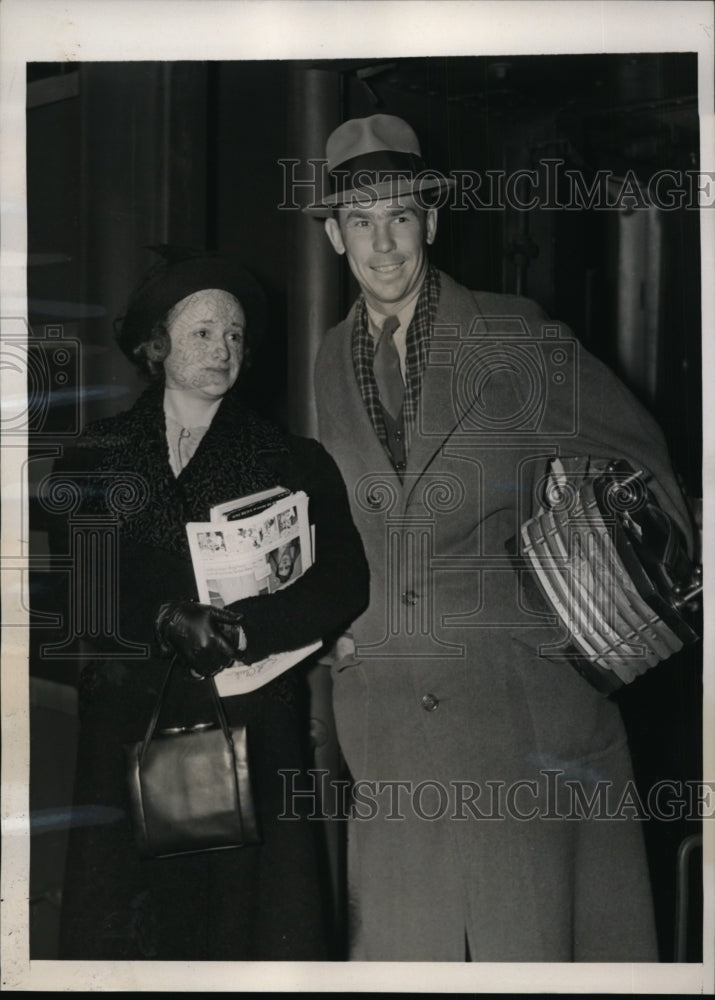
x,y
350,700
341,655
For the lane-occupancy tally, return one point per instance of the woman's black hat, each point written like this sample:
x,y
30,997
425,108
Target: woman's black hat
x,y
181,272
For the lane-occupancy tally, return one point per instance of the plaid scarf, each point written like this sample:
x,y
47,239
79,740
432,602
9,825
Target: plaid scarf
x,y
418,337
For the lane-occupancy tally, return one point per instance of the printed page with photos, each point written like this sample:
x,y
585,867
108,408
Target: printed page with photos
x,y
252,556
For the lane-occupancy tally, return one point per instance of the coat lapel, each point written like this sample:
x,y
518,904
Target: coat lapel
x,y
347,419
441,406
446,397
229,462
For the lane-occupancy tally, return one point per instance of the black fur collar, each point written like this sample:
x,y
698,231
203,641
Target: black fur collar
x,y
232,460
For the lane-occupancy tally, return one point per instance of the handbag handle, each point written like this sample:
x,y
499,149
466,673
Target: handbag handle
x,y
218,706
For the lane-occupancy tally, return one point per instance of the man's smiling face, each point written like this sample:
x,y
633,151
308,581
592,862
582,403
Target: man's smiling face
x,y
385,243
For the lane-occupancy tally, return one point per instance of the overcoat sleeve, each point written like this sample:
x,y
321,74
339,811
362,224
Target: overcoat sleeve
x,y
601,417
334,590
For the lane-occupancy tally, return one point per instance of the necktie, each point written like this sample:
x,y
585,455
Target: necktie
x,y
387,369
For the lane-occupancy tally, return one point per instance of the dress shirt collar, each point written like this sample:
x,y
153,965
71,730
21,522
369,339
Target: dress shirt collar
x,y
404,315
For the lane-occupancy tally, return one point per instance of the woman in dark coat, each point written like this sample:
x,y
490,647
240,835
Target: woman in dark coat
x,y
187,445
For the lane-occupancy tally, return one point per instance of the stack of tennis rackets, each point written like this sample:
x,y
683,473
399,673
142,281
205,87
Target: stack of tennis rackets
x,y
613,566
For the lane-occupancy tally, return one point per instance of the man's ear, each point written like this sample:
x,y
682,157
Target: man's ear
x,y
334,235
430,225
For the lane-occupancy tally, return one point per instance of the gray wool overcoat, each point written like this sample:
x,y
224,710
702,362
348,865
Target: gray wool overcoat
x,y
492,783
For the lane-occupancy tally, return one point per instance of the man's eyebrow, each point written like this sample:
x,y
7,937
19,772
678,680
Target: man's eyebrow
x,y
357,213
362,213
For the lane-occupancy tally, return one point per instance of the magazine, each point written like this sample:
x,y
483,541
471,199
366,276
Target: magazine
x,y
252,546
234,510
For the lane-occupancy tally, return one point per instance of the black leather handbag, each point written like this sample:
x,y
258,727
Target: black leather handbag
x,y
190,787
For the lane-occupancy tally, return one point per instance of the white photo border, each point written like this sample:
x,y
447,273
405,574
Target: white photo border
x,y
97,30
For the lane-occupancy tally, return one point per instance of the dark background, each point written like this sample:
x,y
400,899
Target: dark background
x,y
122,156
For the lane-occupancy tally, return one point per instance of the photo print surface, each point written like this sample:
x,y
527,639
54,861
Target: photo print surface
x,y
578,213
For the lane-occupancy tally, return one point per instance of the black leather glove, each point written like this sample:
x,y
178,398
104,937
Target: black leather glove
x,y
206,639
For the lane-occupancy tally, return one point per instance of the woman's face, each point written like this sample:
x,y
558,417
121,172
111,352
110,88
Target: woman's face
x,y
206,332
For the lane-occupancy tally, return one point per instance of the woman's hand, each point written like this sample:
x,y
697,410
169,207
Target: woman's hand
x,y
206,639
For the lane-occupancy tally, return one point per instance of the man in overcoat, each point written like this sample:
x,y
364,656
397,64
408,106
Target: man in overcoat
x,y
492,782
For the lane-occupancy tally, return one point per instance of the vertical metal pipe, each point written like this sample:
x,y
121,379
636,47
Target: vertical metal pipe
x,y
313,287
313,298
687,846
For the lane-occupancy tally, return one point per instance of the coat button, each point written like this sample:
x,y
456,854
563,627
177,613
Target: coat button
x,y
429,702
410,597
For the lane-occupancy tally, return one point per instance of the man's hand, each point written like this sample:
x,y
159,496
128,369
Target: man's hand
x,y
206,639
